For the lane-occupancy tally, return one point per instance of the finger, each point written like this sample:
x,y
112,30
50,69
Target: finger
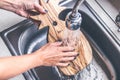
x,y
56,44
67,59
66,49
69,54
62,64
39,8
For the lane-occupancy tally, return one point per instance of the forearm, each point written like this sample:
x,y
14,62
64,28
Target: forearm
x,y
8,5
12,66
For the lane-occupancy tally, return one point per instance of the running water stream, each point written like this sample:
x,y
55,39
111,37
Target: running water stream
x,y
93,71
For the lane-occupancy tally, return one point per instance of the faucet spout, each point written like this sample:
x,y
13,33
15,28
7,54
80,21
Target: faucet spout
x,y
74,19
76,7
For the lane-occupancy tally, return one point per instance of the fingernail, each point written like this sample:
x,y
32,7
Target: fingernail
x,y
73,49
74,58
68,64
45,11
77,54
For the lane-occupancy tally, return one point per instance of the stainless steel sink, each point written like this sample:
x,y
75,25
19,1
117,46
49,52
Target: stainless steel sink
x,y
105,52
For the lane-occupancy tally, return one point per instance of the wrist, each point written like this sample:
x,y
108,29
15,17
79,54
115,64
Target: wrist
x,y
36,59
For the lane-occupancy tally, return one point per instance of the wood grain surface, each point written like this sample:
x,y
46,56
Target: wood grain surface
x,y
56,29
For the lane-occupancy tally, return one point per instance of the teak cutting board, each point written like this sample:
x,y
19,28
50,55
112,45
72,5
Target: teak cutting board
x,y
56,28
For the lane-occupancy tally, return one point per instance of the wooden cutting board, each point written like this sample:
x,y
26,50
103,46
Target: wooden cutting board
x,y
56,28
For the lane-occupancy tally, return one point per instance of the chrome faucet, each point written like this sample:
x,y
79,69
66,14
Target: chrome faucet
x,y
74,19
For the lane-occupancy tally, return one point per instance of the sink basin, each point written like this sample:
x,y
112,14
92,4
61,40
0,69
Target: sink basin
x,y
106,55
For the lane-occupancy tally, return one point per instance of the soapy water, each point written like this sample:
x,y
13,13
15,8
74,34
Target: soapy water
x,y
92,72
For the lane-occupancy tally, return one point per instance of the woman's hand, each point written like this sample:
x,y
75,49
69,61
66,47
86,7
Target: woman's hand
x,y
53,54
22,7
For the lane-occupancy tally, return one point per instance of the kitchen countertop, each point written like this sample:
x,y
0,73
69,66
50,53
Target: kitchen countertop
x,y
8,19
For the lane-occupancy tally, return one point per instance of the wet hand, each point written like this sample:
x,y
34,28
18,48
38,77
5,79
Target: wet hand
x,y
53,54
